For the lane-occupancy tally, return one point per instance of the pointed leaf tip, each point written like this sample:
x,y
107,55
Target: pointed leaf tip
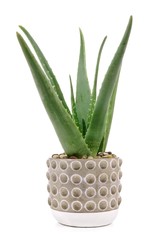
x,y
80,30
130,20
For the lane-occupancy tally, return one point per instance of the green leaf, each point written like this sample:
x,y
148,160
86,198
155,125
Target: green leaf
x,y
46,67
82,90
101,146
84,128
96,129
94,91
73,104
110,115
68,133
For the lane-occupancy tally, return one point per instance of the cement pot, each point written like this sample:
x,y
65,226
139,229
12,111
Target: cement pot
x,y
84,192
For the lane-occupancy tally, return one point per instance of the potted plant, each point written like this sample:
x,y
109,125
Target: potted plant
x,y
84,182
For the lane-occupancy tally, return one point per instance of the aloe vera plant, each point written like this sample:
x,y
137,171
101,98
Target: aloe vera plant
x,y
83,131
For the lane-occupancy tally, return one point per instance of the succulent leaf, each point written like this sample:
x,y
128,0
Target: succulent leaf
x,y
73,104
68,133
110,115
96,129
46,67
94,91
82,90
84,128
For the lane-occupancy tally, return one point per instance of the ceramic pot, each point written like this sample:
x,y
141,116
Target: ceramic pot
x,y
84,192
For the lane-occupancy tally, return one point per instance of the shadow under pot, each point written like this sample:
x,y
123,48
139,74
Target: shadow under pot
x,y
84,192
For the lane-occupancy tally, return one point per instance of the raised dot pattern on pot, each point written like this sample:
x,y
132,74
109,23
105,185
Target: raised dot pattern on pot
x,y
83,185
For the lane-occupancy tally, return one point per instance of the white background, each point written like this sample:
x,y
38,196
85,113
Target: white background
x,y
27,137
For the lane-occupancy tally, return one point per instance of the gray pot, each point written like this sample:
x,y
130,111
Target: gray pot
x,y
84,192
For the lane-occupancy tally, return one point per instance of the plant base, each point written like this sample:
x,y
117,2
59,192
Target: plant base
x,y
98,219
